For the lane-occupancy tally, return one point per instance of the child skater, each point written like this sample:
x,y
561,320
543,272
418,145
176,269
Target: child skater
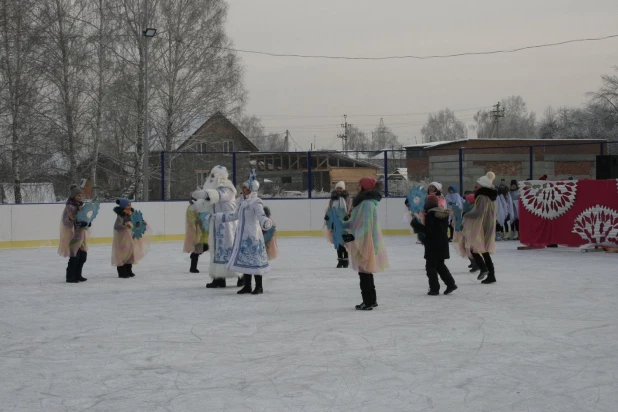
x,y
436,243
453,200
271,244
196,238
479,228
127,251
74,236
249,251
339,198
367,250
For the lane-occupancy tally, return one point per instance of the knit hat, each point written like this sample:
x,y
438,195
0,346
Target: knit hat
x,y
253,186
198,194
431,201
340,185
123,203
437,185
367,183
487,180
513,182
470,198
74,191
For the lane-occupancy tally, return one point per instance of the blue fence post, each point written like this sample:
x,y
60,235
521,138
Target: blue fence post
x,y
309,178
234,168
162,176
386,173
531,162
461,184
602,149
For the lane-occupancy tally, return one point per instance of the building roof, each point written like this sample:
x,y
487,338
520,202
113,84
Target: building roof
x,y
516,142
210,123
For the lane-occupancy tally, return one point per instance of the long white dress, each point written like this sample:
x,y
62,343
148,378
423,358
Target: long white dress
x,y
221,233
249,252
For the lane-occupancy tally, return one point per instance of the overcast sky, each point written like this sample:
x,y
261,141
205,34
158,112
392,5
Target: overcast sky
x,y
280,88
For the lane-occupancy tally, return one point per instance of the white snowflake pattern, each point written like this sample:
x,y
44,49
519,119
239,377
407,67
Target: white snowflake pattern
x,y
548,200
598,225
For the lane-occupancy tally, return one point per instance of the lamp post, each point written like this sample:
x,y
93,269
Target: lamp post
x,y
148,33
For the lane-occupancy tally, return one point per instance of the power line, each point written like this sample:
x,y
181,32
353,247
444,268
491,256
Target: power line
x,y
367,115
437,56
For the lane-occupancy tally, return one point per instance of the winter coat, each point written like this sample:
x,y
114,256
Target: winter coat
x,y
195,235
479,224
505,208
73,237
435,230
453,201
221,234
126,249
367,252
249,249
341,201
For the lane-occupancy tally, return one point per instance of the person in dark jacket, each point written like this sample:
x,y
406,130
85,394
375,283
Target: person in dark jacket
x,y
435,229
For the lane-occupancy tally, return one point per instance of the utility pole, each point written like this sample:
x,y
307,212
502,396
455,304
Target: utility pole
x,y
344,136
286,141
497,113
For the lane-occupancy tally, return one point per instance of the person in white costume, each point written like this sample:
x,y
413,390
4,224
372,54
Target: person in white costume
x,y
221,194
249,253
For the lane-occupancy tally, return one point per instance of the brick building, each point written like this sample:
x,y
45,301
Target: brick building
x,y
508,159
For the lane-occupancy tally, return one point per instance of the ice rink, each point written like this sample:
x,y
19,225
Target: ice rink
x,y
544,338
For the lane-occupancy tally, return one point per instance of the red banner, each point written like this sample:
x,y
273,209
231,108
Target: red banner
x,y
569,213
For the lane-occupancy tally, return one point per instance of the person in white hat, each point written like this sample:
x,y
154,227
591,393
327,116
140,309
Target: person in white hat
x,y
479,228
196,238
340,199
221,194
249,254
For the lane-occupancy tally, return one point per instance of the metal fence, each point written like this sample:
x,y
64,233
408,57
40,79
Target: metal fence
x,y
314,174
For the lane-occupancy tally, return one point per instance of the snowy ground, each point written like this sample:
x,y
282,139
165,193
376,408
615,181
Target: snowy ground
x,y
544,338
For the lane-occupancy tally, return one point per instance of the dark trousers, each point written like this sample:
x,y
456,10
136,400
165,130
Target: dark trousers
x,y
342,252
451,231
435,268
368,288
75,266
516,225
485,263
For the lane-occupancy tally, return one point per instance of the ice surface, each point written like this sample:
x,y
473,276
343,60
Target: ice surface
x,y
544,338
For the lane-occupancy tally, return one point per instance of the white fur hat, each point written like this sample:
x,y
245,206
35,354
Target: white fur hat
x,y
436,185
487,180
253,186
340,185
198,194
220,172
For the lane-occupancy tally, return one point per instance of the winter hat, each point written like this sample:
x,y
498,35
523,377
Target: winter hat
x,y
367,183
431,202
454,188
487,180
252,186
198,194
340,185
503,182
437,185
514,182
123,203
267,211
74,191
220,172
470,198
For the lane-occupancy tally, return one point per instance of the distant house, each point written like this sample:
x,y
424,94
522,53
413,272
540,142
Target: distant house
x,y
213,143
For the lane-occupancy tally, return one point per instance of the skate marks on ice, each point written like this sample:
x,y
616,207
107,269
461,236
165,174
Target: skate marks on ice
x,y
541,339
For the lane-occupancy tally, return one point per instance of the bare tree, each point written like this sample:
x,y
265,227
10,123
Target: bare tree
x,y
607,98
443,126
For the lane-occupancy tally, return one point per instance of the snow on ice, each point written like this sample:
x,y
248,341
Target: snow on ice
x,y
544,338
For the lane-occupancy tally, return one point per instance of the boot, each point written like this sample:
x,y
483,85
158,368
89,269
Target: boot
x,y
450,289
81,256
491,277
241,281
194,258
71,270
129,270
247,285
258,285
362,306
515,235
216,283
346,263
473,266
498,236
122,272
340,264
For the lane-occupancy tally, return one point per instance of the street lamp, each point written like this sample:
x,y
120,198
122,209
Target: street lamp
x,y
148,33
